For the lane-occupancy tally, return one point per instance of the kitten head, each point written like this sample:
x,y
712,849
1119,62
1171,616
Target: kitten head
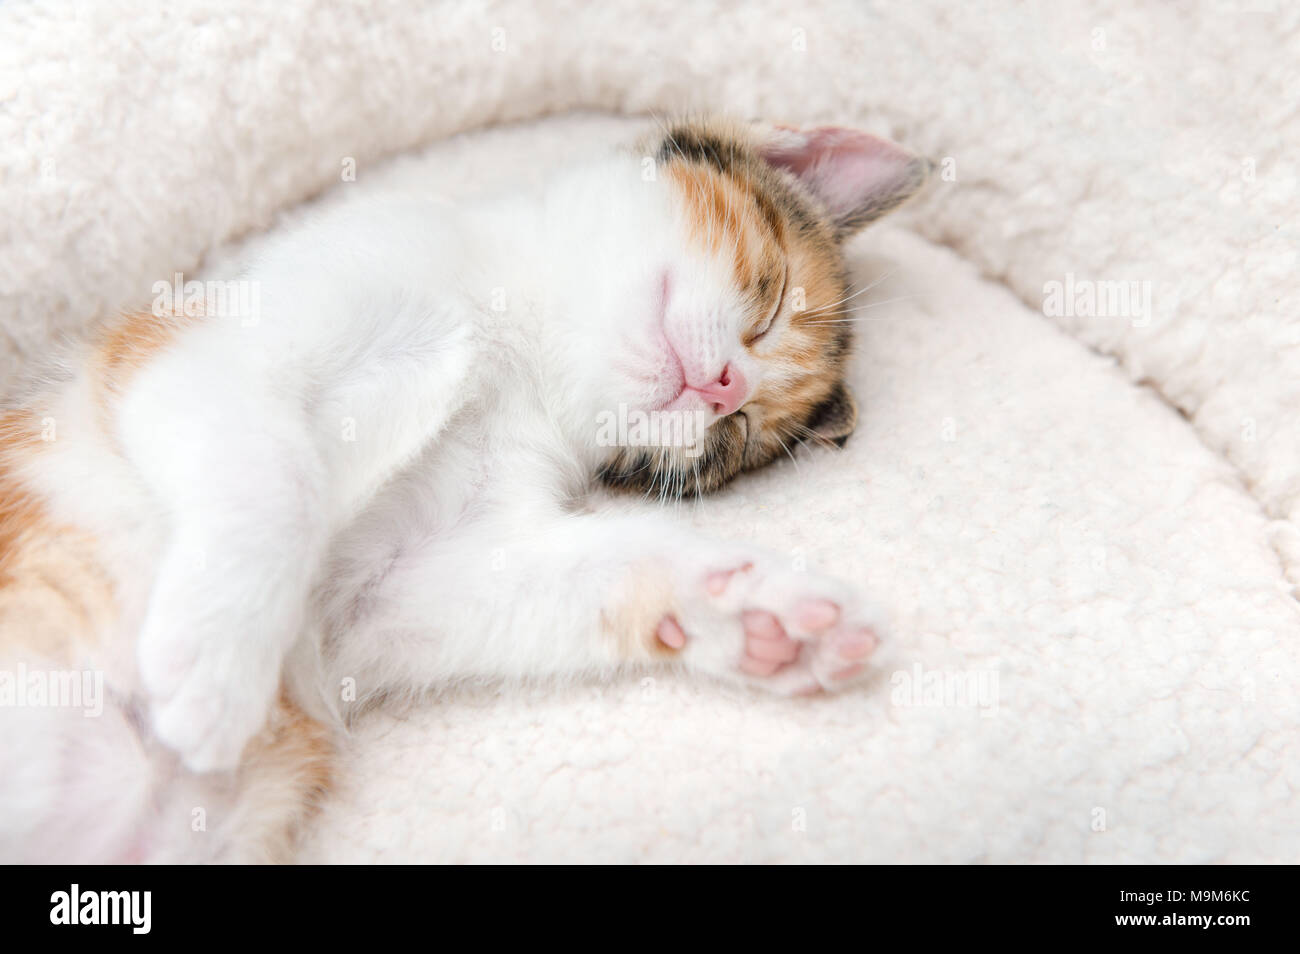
x,y
734,352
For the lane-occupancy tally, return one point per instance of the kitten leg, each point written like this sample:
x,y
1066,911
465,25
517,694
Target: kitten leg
x,y
589,594
257,462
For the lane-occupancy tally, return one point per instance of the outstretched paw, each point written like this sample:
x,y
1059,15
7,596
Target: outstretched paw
x,y
787,630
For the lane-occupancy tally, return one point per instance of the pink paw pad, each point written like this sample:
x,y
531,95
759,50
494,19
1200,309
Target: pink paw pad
x,y
858,644
829,649
670,633
816,615
716,582
767,645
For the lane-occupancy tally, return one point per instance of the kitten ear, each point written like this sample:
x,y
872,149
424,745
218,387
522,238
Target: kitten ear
x,y
836,417
858,176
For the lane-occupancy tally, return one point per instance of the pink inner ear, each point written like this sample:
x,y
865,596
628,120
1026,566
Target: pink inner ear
x,y
845,168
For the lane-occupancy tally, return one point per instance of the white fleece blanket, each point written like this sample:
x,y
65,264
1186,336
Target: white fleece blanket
x,y
1086,524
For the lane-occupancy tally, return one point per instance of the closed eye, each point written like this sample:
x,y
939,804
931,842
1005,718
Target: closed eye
x,y
766,326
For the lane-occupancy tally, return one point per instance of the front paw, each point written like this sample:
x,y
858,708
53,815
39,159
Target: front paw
x,y
211,674
783,629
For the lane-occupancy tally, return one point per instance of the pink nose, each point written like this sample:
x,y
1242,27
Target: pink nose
x,y
727,393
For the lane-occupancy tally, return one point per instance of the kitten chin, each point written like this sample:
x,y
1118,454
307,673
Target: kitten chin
x,y
670,473
732,445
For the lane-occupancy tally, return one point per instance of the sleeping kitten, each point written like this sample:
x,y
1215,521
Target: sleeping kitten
x,y
251,529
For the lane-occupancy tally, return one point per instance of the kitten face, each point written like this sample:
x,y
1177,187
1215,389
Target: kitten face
x,y
736,348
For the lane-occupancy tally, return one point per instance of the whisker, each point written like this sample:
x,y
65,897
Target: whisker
x,y
860,291
787,452
653,485
825,320
813,435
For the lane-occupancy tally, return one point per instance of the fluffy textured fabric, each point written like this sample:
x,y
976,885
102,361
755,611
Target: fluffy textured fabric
x,y
1094,520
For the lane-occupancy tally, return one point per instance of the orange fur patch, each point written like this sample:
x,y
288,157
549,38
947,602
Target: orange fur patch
x,y
633,623
20,511
726,219
286,772
54,591
128,343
